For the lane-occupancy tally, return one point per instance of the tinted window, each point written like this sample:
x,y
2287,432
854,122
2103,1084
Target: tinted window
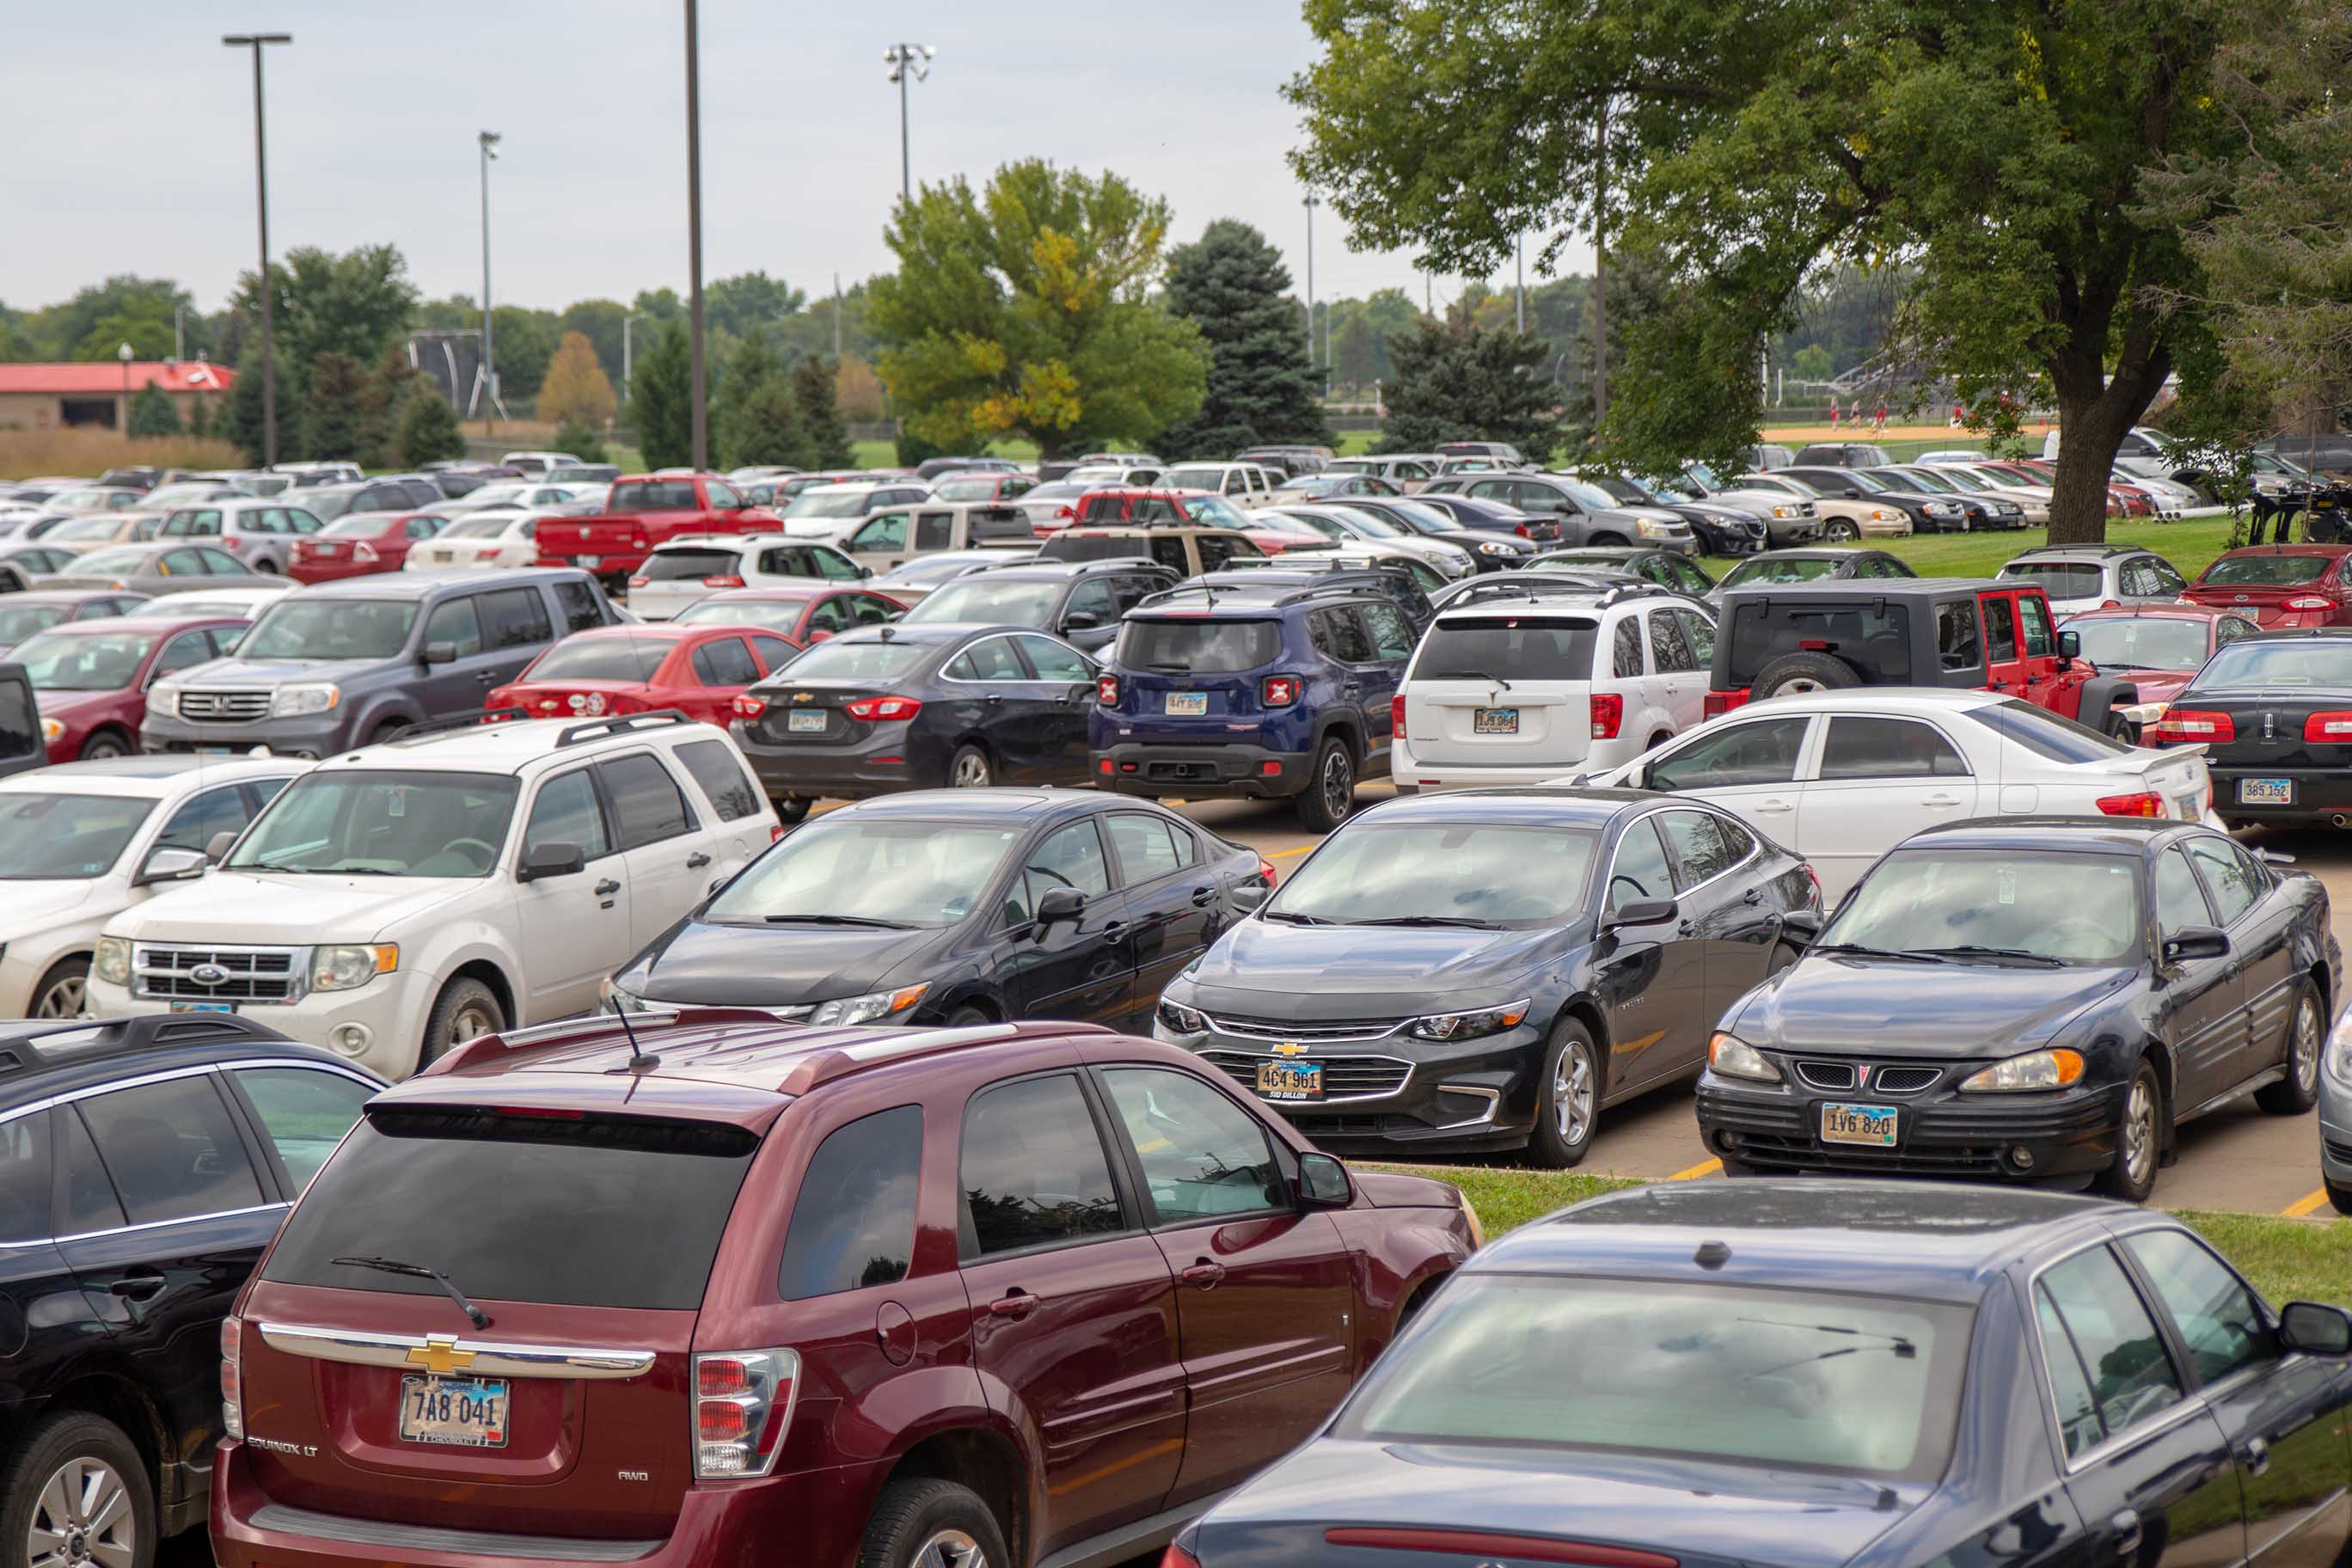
x,y
1051,660
2078,1408
2322,661
1092,598
1349,643
1392,638
1887,749
599,659
2230,876
1071,857
25,1178
691,564
453,621
2046,734
1699,846
2001,629
934,530
515,617
1625,660
726,662
1514,647
860,661
581,605
1203,1155
19,728
304,1114
1871,634
720,772
1145,849
1641,869
1200,646
2179,902
89,1200
655,1196
2118,1355
646,805
1033,1169
2219,1321
1667,645
566,812
854,1218
171,1150
1699,633
990,658
1762,752
202,815
888,533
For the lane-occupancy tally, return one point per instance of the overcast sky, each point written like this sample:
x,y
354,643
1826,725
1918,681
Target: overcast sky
x,y
137,129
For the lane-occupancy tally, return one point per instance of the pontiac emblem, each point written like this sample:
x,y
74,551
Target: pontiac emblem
x,y
209,974
439,1354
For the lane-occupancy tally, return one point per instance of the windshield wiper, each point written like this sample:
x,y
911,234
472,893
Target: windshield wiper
x,y
1978,950
833,920
474,1314
1472,675
1292,917
1429,921
1862,949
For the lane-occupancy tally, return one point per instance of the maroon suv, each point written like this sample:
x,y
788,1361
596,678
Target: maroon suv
x,y
749,1291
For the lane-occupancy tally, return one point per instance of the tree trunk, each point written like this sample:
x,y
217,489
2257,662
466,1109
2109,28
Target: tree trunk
x,y
2089,433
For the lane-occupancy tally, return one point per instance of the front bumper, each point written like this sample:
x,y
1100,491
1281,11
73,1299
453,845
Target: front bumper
x,y
312,735
2334,1129
2315,792
389,1012
1775,1129
1785,531
1194,773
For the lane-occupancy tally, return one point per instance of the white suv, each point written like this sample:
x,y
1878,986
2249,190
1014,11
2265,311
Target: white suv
x,y
685,571
260,532
398,901
1519,681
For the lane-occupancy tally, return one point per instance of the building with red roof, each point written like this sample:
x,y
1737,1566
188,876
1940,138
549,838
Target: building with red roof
x,y
35,396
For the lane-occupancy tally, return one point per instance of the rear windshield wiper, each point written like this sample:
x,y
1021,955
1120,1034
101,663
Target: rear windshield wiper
x,y
1472,675
1978,950
474,1314
1862,949
1429,921
833,920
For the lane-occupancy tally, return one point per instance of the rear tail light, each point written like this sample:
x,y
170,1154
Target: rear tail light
x,y
2310,601
1608,712
1278,690
1815,878
1064,512
1716,704
641,581
2146,802
872,707
743,1403
1491,1544
232,1379
1177,1557
750,707
1521,529
1107,690
2332,729
364,551
1266,870
2194,724
1396,715
727,581
2112,605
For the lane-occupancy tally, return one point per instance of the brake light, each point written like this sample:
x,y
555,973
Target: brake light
x,y
1107,690
1396,715
1815,878
364,551
1177,1557
641,581
1278,690
1521,529
2146,802
1716,704
1065,511
722,581
2332,729
2309,602
1266,870
872,707
232,1378
743,1403
1608,712
750,707
2194,724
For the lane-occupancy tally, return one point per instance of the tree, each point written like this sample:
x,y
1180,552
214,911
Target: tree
x,y
135,304
858,391
586,442
152,413
334,412
428,430
2001,151
659,399
1812,362
759,418
575,390
1455,382
600,320
242,425
748,300
1232,285
1025,311
523,341
358,303
814,394
1355,348
146,326
662,304
382,402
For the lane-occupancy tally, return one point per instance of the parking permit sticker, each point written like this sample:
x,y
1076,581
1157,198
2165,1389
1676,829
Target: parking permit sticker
x,y
2007,881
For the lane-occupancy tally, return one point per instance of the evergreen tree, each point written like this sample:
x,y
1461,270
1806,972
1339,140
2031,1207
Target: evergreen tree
x,y
659,400
1455,382
428,430
816,391
333,413
582,441
152,413
1260,386
383,398
243,422
759,422
200,416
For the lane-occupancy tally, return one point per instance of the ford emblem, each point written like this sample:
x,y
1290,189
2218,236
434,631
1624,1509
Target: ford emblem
x,y
209,974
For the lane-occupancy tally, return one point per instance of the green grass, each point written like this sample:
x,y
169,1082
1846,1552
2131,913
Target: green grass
x,y
2190,546
2287,1260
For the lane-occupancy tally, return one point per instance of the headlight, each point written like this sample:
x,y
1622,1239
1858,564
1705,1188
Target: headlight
x,y
1492,548
164,699
1468,1026
1941,508
1651,528
1734,1057
1782,512
53,729
113,961
1181,1018
2035,1069
872,1008
346,968
2339,1055
1880,514
309,697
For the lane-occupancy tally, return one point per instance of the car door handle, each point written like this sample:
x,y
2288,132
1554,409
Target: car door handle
x,y
1774,808
1752,896
697,861
2256,1455
2125,1527
1012,1304
993,698
1204,1274
1352,687
138,1287
607,886
1112,930
1684,926
487,678
1201,896
1941,800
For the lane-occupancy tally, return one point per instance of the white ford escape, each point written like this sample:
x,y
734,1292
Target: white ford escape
x,y
401,900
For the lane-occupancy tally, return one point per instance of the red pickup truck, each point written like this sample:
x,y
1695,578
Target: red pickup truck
x,y
647,509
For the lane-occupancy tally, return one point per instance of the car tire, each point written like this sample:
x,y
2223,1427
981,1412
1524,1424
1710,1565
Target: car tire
x,y
1735,1169
971,768
791,808
2341,1197
967,1018
389,731
103,745
1842,532
62,992
1608,541
1330,793
266,567
2306,1040
1797,672
1568,1097
931,1522
2139,1138
466,1004
75,1445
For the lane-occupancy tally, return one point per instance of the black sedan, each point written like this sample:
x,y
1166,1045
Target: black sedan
x,y
2273,712
2029,999
1489,970
1808,1375
1493,516
1490,549
960,907
882,709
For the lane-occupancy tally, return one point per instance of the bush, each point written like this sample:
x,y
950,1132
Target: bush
x,y
428,430
582,442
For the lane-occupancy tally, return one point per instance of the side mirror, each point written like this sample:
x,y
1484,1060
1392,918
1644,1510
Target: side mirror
x,y
1639,912
555,859
172,865
1080,621
1059,904
2315,1328
216,847
1800,926
1249,899
1323,1183
2069,644
2195,941
865,572
440,653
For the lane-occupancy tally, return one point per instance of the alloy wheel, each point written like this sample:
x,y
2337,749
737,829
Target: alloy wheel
x,y
82,1517
2139,1132
470,1023
970,771
1572,1095
2305,1062
951,1549
62,1000
1339,783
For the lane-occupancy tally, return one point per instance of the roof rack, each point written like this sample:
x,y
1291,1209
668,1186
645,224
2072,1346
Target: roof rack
x,y
1565,585
19,1049
467,719
620,724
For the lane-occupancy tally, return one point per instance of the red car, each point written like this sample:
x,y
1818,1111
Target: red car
x,y
1003,1293
91,678
2283,586
2156,647
1128,506
803,613
632,669
361,544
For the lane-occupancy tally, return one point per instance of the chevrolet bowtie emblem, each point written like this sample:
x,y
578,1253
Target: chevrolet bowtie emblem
x,y
440,1355
1290,1049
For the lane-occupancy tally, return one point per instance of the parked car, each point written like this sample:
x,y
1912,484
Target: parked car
x,y
1051,505
538,462
22,747
801,612
681,573
1312,553
2283,586
1503,692
22,615
932,468
983,486
161,568
820,511
148,1164
2272,714
492,537
401,900
2159,646
577,474
390,493
1489,970
261,532
889,539
1269,693
361,544
913,581
1720,529
1080,602
2115,976
1408,471
1490,516
1454,557
2029,490
1490,549
1842,777
1405,580
882,710
320,472
641,511
1244,485
244,604
1326,484
1669,569
2079,578
78,535
1585,512
1840,455
92,678
1929,514
1980,509
343,665
1818,563
1843,521
697,671
38,560
1788,519
960,908
1292,460
80,842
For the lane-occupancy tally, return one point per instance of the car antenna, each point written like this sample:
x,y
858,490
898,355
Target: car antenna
x,y
639,1062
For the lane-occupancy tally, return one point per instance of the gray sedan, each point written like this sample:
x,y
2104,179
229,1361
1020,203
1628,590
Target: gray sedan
x,y
165,568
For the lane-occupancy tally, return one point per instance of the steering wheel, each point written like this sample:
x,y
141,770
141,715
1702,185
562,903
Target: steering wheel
x,y
489,852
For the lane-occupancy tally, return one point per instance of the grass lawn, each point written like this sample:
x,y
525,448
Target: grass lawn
x,y
2287,1260
2190,546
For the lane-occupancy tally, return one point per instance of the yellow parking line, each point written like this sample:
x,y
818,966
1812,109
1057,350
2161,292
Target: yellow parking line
x,y
2306,1204
1709,1169
1286,854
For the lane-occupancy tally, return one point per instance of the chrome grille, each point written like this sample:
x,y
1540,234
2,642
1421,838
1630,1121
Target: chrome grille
x,y
169,974
1292,1029
1828,1075
1344,1077
1904,1080
224,707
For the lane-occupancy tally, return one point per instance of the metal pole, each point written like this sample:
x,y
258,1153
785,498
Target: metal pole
x,y
126,391
489,356
836,316
1523,285
694,236
906,158
1600,271
1309,204
179,331
262,188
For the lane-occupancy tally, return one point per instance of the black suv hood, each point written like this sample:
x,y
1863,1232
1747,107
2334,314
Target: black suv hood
x,y
778,965
1841,1005
1264,969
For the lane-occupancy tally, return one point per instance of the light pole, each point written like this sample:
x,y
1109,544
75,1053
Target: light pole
x,y
255,41
627,322
1310,206
697,398
905,59
1522,289
489,144
123,354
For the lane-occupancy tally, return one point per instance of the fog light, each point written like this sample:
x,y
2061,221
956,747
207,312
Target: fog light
x,y
1722,1141
2022,1157
351,1038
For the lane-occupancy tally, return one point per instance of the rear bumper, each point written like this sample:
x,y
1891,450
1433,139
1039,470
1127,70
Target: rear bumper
x,y
1414,774
1193,772
2317,792
307,572
841,773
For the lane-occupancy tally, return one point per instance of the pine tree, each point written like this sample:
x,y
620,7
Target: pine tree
x,y
333,413
1261,387
243,421
383,399
758,420
816,391
200,416
658,400
582,441
1457,383
428,430
152,413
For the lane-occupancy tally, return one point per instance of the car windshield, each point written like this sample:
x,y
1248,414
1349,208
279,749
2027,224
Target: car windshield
x,y
2265,571
1770,569
1513,646
1960,479
1591,494
829,503
1372,522
993,602
844,660
331,629
1215,511
362,525
1428,519
18,622
82,661
381,822
80,500
1774,1378
1210,477
1196,646
897,872
601,658
2060,579
769,614
1473,873
2319,661
927,569
45,836
1919,480
2142,642
112,563
329,505
478,526
2069,907
83,528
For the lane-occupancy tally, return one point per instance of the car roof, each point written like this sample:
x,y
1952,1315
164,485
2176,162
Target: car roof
x,y
149,775
2103,834
1815,552
2069,551
1031,570
1878,588
58,596
927,633
1875,700
773,593
419,584
2159,609
41,1058
153,626
1534,805
513,746
2287,550
2289,634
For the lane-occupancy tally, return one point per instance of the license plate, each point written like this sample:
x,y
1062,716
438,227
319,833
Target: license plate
x,y
2265,792
1290,1080
330,550
445,555
204,1006
590,562
1495,721
1192,702
1873,1124
804,724
462,1412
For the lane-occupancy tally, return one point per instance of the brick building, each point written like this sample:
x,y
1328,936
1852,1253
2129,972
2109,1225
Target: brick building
x,y
59,396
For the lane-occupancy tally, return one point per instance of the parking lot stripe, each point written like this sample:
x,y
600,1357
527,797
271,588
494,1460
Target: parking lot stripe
x,y
1286,854
1709,1169
2306,1204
